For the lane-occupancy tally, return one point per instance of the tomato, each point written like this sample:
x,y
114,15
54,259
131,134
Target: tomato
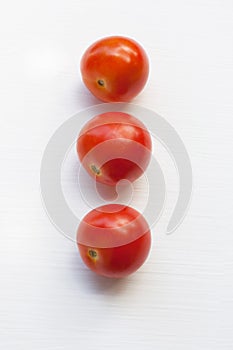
x,y
114,240
113,146
115,69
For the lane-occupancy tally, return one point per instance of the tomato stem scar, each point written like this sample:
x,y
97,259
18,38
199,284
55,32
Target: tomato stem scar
x,y
92,253
100,82
95,170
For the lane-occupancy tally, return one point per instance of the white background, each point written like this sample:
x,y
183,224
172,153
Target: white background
x,y
182,298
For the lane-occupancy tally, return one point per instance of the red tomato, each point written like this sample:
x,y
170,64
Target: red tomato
x,y
115,69
114,146
114,240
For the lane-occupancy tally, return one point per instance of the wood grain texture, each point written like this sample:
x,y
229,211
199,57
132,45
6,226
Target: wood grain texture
x,y
182,298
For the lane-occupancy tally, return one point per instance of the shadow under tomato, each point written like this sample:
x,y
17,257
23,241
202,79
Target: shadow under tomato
x,y
97,284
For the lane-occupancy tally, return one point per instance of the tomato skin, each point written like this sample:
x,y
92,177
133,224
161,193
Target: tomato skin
x,y
126,251
115,69
114,146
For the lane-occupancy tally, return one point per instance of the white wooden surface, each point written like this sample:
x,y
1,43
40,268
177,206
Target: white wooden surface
x,y
183,297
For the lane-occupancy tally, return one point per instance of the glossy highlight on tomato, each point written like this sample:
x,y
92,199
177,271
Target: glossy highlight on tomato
x,y
114,146
114,240
115,69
